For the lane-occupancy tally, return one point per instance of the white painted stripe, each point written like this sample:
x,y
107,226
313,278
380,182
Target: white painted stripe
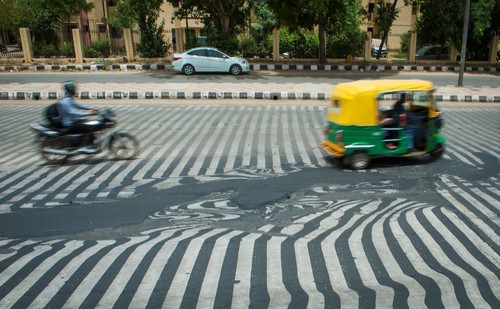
x,y
116,288
305,272
261,140
288,148
187,145
213,272
442,258
35,275
464,253
243,275
233,152
278,294
163,138
185,137
300,142
448,296
274,142
416,297
179,283
69,270
224,141
475,203
152,275
348,297
384,295
22,261
210,134
85,287
252,129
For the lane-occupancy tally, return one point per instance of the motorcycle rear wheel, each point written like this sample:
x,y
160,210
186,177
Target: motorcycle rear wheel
x,y
124,146
53,143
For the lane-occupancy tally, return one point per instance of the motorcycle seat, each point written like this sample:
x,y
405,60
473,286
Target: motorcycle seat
x,y
49,130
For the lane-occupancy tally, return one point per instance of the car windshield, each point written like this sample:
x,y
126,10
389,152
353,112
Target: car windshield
x,y
422,50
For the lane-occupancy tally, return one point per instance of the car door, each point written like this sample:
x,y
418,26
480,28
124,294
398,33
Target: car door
x,y
198,59
219,62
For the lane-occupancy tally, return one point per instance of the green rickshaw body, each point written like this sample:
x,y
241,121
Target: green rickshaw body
x,y
355,130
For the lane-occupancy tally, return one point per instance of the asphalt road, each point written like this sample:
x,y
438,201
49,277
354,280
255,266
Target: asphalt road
x,y
233,205
439,79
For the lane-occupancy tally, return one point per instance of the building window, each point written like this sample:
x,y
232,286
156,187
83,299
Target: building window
x,y
116,33
112,2
102,28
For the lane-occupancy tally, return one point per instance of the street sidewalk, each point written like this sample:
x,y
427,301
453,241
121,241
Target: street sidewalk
x,y
273,91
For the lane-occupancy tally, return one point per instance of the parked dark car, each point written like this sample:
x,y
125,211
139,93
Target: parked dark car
x,y
376,46
434,52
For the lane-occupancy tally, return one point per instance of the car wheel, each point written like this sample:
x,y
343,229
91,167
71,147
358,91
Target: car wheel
x,y
360,160
188,69
235,69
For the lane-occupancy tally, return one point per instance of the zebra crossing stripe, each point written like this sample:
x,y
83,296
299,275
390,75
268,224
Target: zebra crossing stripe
x,y
13,269
208,143
279,296
153,273
444,295
469,261
69,270
463,282
85,287
483,222
127,269
242,279
384,294
211,279
416,294
178,286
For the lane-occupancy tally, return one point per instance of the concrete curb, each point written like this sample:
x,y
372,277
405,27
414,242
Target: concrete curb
x,y
258,67
132,95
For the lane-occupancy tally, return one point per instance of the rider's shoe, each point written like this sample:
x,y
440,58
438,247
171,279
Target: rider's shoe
x,y
88,149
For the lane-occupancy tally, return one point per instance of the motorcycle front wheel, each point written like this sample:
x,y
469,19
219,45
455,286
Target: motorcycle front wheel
x,y
124,146
53,144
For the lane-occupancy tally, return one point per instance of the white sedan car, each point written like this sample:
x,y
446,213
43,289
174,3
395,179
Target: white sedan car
x,y
208,59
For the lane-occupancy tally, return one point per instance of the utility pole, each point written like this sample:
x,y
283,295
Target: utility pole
x,y
464,44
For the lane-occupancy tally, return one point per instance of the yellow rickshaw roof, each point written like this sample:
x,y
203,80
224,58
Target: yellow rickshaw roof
x,y
350,90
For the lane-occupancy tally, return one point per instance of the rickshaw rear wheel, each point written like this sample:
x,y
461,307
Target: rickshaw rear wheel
x,y
438,152
359,160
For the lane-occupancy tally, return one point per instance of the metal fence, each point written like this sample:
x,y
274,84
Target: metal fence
x,y
11,51
101,43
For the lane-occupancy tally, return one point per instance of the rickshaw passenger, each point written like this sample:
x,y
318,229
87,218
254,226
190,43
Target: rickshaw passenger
x,y
387,121
405,120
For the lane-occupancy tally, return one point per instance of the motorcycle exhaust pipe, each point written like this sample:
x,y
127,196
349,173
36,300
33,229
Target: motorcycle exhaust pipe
x,y
58,152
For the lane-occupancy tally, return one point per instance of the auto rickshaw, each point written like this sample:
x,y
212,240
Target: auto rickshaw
x,y
356,134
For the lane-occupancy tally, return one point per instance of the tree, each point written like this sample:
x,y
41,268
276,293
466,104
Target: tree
x,y
310,13
223,19
441,22
145,13
386,15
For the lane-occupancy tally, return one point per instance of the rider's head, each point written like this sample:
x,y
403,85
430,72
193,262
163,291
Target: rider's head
x,y
69,87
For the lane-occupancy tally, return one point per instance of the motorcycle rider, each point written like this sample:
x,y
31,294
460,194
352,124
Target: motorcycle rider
x,y
73,117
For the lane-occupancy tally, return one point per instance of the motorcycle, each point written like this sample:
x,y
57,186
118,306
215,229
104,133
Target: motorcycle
x,y
57,145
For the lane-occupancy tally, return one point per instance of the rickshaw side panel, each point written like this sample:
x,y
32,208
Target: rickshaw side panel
x,y
357,138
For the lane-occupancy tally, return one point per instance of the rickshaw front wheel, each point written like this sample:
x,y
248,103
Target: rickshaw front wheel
x,y
438,152
359,160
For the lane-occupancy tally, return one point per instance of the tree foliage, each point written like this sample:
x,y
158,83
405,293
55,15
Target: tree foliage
x,y
145,13
325,14
223,20
441,22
